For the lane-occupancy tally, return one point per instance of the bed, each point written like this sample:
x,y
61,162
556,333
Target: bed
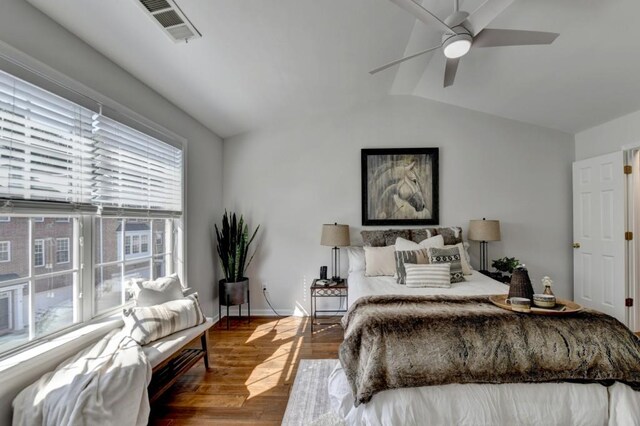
x,y
562,403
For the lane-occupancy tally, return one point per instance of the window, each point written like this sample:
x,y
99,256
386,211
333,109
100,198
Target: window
x,y
38,253
74,175
135,244
5,251
144,243
62,250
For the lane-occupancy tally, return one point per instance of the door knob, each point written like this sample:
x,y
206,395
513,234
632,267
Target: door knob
x,y
576,245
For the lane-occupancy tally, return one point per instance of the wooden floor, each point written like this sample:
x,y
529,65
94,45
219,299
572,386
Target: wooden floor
x,y
252,369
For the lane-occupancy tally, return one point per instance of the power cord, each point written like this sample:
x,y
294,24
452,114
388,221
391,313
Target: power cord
x,y
264,293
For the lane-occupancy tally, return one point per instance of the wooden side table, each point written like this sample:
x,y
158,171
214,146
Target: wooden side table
x,y
340,291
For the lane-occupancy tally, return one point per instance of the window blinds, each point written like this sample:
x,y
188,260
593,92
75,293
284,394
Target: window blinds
x,y
134,170
52,149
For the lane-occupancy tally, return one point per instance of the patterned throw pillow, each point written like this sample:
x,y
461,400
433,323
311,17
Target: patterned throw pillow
x,y
381,238
409,256
448,255
452,235
418,235
428,275
149,323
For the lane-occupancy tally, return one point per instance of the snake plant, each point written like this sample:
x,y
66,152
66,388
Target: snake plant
x,y
233,246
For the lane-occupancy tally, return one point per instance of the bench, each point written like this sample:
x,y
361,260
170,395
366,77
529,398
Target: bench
x,y
174,355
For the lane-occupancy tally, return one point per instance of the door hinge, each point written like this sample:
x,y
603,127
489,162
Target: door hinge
x,y
628,236
628,302
627,170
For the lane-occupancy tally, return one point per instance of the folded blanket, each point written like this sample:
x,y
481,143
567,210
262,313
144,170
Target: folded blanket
x,y
408,341
105,384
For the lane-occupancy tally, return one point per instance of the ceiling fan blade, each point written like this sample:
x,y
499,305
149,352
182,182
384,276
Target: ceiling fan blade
x,y
423,14
493,38
487,12
450,71
406,58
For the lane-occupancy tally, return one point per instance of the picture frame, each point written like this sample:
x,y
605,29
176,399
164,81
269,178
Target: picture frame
x,y
400,186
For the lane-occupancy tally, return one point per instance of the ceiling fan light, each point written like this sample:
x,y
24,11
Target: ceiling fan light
x,y
457,49
457,46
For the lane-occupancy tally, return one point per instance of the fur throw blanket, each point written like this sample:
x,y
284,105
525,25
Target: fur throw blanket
x,y
395,341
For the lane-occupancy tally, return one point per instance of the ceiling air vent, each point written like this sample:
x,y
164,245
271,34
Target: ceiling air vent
x,y
171,19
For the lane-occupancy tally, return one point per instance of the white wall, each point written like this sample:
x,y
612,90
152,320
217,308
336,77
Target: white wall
x,y
608,137
33,33
293,178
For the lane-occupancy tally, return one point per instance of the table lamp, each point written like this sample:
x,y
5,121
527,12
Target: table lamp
x,y
334,235
484,231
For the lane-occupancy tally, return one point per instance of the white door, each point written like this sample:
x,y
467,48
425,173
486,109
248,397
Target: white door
x,y
599,234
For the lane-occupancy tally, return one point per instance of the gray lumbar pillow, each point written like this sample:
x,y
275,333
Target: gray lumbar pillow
x,y
161,290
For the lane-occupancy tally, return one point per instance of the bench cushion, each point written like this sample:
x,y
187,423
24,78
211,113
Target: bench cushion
x,y
161,349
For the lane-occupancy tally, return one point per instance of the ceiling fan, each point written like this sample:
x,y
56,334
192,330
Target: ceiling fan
x,y
461,31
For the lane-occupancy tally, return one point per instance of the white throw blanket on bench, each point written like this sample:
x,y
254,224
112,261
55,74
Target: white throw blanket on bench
x,y
105,384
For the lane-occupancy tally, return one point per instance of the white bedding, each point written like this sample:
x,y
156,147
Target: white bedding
x,y
105,384
476,284
522,404
478,404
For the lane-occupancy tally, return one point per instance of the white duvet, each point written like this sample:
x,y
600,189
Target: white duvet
x,y
105,384
478,404
476,284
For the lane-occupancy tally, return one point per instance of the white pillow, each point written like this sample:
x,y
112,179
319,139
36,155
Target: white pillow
x,y
432,275
149,323
406,245
162,290
380,261
464,258
356,259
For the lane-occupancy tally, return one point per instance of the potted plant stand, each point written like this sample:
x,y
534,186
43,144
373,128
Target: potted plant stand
x,y
232,294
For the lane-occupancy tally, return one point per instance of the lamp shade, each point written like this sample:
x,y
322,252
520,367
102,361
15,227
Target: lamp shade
x,y
484,230
335,235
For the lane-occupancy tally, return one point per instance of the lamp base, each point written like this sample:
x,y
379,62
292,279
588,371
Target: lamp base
x,y
337,280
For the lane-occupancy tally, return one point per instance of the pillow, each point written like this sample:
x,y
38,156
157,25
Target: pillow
x,y
381,238
464,258
164,289
402,244
448,255
409,256
149,323
379,261
452,235
418,235
428,275
356,259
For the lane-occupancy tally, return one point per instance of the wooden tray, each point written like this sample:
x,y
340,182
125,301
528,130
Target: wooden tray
x,y
571,307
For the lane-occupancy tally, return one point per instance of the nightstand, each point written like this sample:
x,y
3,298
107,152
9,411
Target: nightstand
x,y
340,291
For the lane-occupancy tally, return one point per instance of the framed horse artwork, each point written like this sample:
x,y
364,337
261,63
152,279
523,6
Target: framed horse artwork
x,y
400,186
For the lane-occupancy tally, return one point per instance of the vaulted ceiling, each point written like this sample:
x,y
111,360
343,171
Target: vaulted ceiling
x,y
262,62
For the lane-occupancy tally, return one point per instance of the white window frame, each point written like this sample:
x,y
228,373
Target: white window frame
x,y
8,251
5,219
40,242
62,220
68,250
60,84
170,259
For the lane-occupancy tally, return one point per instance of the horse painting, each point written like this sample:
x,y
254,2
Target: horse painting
x,y
399,188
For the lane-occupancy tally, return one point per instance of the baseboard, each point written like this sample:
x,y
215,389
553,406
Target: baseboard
x,y
261,313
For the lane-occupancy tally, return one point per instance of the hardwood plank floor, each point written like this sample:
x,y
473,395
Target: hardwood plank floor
x,y
252,368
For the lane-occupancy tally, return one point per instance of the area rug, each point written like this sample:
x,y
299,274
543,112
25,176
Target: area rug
x,y
309,398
